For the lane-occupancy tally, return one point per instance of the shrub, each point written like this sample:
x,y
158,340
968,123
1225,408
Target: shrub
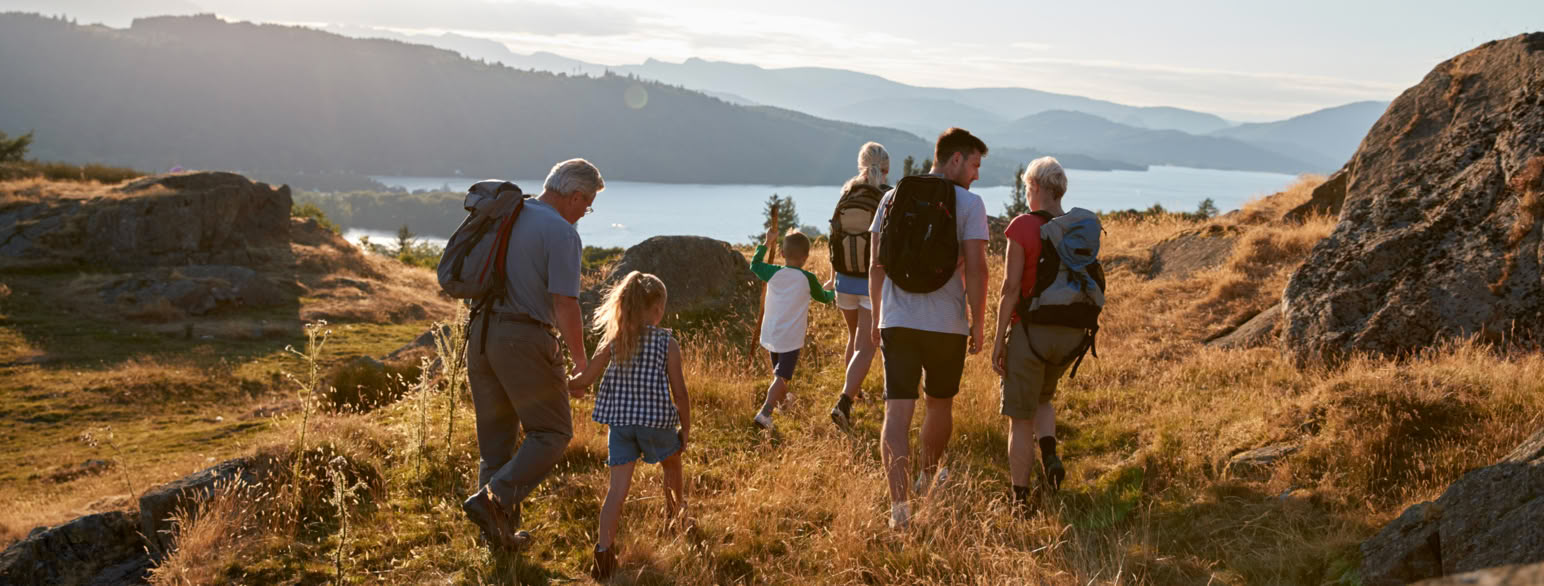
x,y
91,172
309,210
363,383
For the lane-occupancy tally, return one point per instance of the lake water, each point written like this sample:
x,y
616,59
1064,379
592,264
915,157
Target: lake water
x,y
627,213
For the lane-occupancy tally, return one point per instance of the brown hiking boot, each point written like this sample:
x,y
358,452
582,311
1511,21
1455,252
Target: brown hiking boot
x,y
498,529
605,564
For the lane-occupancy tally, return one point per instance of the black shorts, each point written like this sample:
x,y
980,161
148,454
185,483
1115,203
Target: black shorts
x,y
783,363
909,353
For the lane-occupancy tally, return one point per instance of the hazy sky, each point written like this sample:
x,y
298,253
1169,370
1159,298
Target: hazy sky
x,y
1245,60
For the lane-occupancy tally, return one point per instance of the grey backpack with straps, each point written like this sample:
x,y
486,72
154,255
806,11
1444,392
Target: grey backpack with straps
x,y
1069,281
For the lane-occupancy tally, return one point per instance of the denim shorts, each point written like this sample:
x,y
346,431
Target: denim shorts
x,y
625,443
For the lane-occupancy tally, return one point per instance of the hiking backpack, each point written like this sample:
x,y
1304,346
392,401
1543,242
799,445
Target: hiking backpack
x,y
1069,281
850,225
472,266
919,242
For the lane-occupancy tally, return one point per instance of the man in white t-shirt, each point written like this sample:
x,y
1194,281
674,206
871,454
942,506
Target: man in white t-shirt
x,y
929,333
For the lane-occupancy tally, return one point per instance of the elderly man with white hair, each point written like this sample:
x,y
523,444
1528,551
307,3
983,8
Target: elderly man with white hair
x,y
517,378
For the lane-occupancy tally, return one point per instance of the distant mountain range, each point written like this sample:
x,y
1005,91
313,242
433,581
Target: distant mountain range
x,y
198,92
1325,139
1319,141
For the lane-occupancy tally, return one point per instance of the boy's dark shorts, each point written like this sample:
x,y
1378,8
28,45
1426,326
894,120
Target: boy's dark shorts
x,y
783,363
909,353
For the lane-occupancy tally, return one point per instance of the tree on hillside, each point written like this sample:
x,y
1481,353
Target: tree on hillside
x,y
13,150
1018,203
908,166
787,216
405,240
1207,210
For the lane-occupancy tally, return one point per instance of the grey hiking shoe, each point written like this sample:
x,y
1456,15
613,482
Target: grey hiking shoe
x,y
842,417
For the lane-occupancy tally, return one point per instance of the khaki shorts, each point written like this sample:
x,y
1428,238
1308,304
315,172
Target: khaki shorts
x,y
851,302
1028,382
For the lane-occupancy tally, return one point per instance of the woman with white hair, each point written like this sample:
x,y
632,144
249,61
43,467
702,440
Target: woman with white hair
x,y
850,251
1032,358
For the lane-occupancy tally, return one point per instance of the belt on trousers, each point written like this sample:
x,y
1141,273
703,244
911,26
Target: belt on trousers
x,y
522,318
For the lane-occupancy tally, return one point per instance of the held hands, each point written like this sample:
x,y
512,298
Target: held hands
x,y
576,387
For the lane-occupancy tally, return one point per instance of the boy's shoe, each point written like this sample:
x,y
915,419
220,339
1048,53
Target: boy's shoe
x,y
763,421
922,485
900,516
842,417
605,564
1054,472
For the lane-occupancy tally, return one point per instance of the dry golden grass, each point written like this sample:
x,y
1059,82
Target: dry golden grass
x,y
1147,431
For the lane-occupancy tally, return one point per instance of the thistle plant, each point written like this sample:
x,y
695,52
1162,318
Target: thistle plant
x,y
308,390
343,496
106,437
450,343
421,390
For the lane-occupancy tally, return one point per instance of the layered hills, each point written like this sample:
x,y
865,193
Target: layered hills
x,y
198,92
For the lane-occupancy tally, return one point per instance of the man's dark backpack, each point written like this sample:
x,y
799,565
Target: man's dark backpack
x,y
472,266
1069,281
919,243
850,223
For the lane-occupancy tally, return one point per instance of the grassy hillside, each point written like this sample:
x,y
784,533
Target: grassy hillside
x,y
1147,431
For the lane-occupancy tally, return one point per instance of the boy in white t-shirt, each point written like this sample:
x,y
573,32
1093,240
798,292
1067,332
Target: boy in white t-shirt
x,y
785,315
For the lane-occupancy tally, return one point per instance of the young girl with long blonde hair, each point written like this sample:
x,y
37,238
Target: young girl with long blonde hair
x,y
641,399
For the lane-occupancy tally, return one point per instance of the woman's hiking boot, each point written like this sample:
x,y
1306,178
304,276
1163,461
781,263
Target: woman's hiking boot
x,y
605,563
1026,501
1054,472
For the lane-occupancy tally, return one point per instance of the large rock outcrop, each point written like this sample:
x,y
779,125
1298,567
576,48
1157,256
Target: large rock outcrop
x,y
207,218
1529,575
1491,517
1439,234
705,277
158,504
1193,251
104,548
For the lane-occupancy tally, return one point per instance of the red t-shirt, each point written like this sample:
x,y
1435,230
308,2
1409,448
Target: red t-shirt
x,y
1025,230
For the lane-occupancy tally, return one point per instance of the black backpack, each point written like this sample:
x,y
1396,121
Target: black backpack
x,y
850,225
919,243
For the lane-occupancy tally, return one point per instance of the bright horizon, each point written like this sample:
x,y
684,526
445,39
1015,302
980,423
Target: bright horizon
x,y
1242,61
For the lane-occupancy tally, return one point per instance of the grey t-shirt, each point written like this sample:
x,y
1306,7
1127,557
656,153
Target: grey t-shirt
x,y
543,261
944,309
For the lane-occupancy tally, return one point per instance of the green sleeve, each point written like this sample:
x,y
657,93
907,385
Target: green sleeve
x,y
816,291
763,270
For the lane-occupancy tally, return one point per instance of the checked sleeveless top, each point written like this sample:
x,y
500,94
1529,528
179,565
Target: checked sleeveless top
x,y
637,392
